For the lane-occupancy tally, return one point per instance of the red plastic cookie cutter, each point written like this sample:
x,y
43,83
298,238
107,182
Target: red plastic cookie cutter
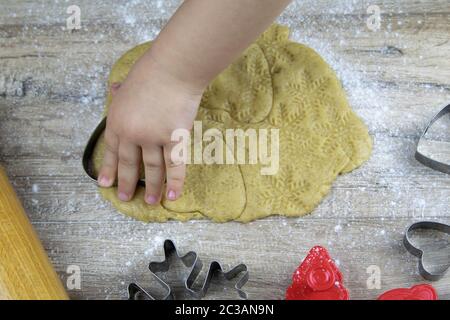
x,y
317,278
418,292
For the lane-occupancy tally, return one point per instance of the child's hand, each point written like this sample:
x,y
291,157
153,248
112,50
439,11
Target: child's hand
x,y
162,94
144,112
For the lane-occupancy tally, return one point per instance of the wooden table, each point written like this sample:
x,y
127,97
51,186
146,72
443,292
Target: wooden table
x,y
52,88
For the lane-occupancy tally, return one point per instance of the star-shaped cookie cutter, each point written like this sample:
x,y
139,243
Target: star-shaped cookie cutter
x,y
195,265
426,225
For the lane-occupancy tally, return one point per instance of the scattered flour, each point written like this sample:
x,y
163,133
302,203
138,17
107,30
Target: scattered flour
x,y
81,107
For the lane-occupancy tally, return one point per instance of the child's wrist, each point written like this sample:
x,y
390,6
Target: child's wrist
x,y
177,67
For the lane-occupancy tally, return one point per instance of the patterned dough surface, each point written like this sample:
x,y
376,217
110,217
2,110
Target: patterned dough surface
x,y
276,83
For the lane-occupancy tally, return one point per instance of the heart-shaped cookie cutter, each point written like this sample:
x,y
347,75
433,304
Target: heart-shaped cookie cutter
x,y
427,161
425,225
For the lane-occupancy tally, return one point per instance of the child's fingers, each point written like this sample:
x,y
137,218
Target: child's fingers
x,y
176,172
128,169
108,170
154,173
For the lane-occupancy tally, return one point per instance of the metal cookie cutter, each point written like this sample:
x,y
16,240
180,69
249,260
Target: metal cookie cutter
x,y
193,262
88,165
427,161
429,225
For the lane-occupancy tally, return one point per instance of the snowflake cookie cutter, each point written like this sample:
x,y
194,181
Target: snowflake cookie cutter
x,y
425,225
195,265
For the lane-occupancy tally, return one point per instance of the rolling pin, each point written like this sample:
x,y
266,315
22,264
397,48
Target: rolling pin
x,y
25,270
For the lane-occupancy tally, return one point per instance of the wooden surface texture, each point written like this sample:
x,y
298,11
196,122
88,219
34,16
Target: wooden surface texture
x,y
52,89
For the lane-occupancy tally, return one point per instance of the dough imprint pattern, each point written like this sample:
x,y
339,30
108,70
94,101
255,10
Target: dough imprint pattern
x,y
276,83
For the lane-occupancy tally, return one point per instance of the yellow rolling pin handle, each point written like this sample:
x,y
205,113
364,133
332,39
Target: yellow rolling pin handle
x,y
25,270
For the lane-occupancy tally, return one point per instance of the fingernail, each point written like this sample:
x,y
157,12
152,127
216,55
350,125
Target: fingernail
x,y
171,195
151,199
104,181
123,196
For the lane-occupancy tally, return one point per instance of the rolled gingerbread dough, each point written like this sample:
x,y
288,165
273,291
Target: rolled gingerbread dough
x,y
276,83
